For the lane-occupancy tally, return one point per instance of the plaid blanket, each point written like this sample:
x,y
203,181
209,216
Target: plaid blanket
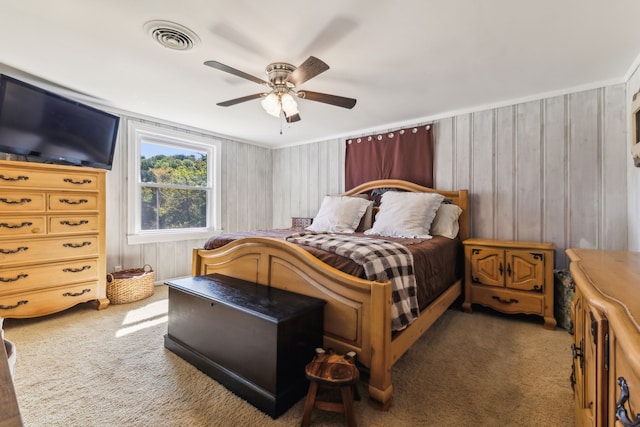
x,y
381,260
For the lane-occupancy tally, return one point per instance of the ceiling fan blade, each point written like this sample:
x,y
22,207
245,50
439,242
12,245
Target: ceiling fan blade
x,y
242,99
339,101
294,118
308,70
220,66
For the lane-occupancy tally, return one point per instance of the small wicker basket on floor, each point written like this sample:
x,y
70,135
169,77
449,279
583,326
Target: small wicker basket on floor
x,y
130,285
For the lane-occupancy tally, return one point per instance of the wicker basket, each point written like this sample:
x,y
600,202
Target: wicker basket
x,y
130,285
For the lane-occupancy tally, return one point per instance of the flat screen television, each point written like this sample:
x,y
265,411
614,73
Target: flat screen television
x,y
46,127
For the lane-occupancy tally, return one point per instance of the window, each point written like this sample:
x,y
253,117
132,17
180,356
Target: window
x,y
174,181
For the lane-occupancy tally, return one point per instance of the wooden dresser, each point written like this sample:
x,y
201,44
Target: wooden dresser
x,y
52,238
606,350
510,276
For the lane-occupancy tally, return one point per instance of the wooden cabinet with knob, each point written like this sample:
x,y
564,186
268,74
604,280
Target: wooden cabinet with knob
x,y
605,373
510,276
52,238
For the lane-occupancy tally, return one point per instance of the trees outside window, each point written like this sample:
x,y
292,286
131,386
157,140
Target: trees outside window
x,y
173,188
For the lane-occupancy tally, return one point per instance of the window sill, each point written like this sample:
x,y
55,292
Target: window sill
x,y
169,236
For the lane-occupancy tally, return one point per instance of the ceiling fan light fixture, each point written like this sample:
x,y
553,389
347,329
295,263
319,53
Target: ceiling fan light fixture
x,y
271,104
289,105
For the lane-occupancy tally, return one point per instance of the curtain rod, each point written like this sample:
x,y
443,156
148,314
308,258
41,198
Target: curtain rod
x,y
426,125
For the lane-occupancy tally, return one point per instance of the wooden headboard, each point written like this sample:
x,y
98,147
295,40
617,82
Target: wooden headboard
x,y
459,197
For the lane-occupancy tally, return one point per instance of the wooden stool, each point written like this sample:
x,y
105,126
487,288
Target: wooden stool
x,y
326,372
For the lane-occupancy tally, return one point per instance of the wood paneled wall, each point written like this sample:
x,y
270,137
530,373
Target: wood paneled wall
x,y
302,176
551,170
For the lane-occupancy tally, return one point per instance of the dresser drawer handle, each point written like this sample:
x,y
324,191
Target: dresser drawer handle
x,y
578,352
621,412
72,202
74,224
13,251
15,202
72,181
18,178
7,225
505,301
76,270
76,294
76,245
14,279
11,307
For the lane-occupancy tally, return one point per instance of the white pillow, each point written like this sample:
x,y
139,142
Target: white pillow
x,y
339,214
446,221
404,214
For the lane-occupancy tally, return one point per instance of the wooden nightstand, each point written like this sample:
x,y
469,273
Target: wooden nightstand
x,y
510,276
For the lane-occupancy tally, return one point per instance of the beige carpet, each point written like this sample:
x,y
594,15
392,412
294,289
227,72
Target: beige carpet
x,y
85,367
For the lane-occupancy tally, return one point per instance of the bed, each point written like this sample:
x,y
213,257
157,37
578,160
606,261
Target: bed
x,y
358,311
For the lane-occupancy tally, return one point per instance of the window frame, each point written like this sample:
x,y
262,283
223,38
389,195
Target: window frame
x,y
139,132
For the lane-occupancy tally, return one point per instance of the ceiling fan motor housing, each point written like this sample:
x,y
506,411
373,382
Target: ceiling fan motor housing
x,y
278,72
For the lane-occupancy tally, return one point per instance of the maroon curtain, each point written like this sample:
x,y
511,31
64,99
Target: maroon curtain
x,y
403,154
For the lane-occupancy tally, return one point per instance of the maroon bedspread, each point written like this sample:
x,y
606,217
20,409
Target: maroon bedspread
x,y
437,261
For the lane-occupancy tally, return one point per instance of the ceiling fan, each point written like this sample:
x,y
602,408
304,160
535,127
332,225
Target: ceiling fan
x,y
284,80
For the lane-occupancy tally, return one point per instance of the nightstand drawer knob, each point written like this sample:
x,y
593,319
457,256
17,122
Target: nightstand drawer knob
x,y
505,301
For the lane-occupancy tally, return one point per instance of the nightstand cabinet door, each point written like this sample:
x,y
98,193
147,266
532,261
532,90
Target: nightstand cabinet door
x,y
525,270
487,266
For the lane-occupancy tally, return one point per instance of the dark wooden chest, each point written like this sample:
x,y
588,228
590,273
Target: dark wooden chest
x,y
253,339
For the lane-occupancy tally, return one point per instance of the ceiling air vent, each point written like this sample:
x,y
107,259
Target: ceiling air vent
x,y
171,35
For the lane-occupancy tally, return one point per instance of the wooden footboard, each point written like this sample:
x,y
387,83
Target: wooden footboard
x,y
357,313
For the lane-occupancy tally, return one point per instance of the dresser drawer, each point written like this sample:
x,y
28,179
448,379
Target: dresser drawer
x,y
14,226
48,249
24,279
21,201
17,176
73,224
508,301
73,201
43,302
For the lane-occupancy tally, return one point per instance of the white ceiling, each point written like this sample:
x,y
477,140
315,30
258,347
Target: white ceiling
x,y
406,62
